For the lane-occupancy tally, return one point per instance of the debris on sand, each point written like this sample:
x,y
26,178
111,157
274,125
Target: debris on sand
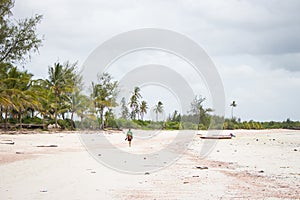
x,y
51,145
7,142
199,167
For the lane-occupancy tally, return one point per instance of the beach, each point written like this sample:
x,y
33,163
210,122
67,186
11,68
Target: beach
x,y
256,164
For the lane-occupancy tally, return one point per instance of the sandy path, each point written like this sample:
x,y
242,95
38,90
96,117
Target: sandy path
x,y
254,165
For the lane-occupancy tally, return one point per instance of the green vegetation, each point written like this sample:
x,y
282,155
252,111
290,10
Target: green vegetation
x,y
237,124
17,37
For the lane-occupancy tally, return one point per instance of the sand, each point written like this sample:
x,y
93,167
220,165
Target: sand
x,y
253,165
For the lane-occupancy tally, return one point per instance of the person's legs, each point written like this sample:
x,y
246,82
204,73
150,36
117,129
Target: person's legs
x,y
129,140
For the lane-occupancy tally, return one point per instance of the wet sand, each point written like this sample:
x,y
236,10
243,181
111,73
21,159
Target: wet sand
x,y
254,165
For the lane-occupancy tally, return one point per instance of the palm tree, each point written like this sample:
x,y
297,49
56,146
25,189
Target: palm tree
x,y
109,117
80,106
45,98
198,110
134,102
24,97
16,93
104,95
233,104
63,82
143,109
56,84
124,109
5,101
158,109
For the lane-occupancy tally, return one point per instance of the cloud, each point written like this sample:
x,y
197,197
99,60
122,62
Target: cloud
x,y
261,93
255,44
248,27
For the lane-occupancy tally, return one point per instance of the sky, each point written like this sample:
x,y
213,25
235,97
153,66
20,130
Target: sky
x,y
255,45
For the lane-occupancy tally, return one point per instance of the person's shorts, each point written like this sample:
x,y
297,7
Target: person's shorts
x,y
129,137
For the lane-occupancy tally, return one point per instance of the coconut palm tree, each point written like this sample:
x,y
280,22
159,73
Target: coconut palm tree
x,y
45,98
233,104
17,96
5,97
198,110
63,82
56,82
80,106
158,108
24,97
143,109
5,101
134,102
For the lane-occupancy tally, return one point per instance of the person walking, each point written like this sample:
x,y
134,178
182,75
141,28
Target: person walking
x,y
129,137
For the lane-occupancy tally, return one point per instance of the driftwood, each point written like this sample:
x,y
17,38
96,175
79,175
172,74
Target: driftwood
x,y
7,142
51,145
201,167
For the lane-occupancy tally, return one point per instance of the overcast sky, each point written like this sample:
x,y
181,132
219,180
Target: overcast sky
x,y
255,44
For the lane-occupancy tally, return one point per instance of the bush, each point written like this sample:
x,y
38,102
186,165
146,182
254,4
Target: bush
x,y
202,127
189,126
172,125
34,120
124,123
66,124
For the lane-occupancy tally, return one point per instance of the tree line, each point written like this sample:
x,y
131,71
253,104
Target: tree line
x,y
58,98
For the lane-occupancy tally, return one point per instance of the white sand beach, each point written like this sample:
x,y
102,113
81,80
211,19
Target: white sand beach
x,y
262,164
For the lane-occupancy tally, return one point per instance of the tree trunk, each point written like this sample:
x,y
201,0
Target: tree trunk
x,y
199,120
81,122
43,121
5,119
1,111
20,119
55,117
101,119
72,125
